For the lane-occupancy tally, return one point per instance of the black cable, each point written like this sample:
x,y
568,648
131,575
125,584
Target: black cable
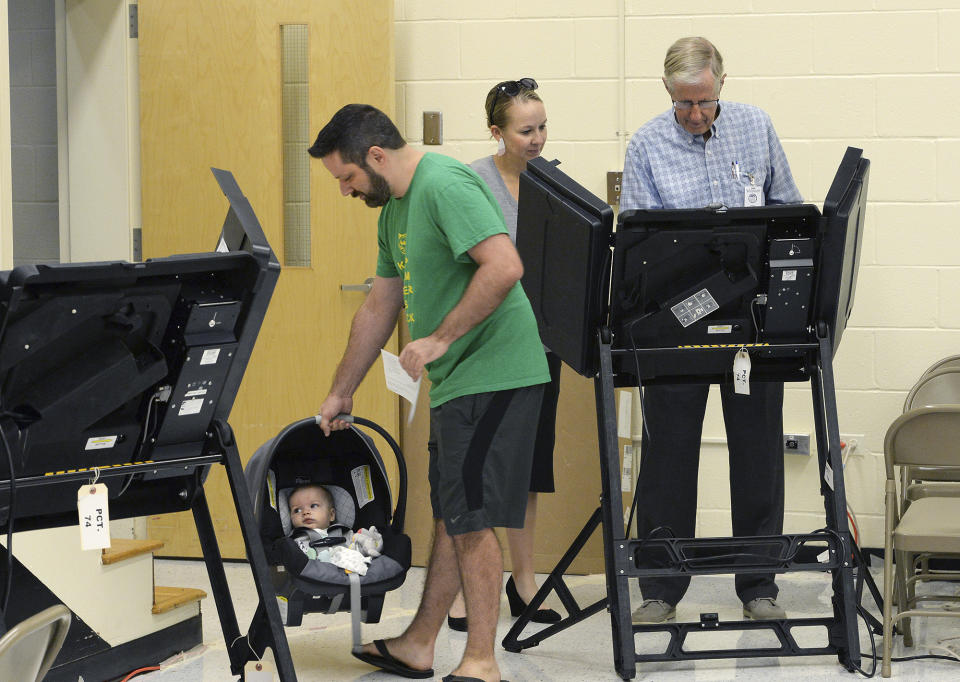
x,y
818,531
862,612
146,420
759,558
766,557
126,484
899,659
646,429
828,531
633,504
903,659
636,483
873,646
643,420
147,429
649,536
636,362
753,317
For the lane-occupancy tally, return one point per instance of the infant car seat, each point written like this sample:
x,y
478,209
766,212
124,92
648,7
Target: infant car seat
x,y
348,464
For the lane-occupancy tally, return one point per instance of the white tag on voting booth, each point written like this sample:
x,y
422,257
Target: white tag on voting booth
x,y
258,671
741,372
94,517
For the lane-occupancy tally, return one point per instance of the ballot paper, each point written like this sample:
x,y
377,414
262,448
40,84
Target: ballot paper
x,y
400,382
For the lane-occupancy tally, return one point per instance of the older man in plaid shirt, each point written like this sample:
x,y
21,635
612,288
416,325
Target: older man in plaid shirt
x,y
703,152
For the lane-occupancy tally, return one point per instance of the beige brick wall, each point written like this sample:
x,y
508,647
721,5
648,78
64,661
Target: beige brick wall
x,y
883,75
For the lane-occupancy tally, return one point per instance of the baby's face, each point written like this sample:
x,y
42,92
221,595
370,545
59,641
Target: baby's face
x,y
309,508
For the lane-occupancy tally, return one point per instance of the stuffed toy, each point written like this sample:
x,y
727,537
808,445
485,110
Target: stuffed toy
x,y
367,541
359,550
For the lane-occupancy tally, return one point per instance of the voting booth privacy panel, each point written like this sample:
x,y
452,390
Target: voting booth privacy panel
x,y
108,364
127,372
672,296
670,278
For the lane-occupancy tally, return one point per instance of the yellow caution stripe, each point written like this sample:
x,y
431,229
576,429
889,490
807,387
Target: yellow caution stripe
x,y
728,345
92,469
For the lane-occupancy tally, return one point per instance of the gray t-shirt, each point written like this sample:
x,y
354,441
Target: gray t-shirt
x,y
487,170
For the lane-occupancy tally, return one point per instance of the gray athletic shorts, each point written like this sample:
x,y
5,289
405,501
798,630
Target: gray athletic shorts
x,y
481,452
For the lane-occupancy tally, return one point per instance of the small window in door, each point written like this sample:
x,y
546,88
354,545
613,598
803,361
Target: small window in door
x,y
296,139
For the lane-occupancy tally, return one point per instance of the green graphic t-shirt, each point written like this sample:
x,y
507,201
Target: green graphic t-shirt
x,y
424,237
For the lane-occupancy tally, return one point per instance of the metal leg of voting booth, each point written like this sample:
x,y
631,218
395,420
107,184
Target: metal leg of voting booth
x,y
622,555
249,647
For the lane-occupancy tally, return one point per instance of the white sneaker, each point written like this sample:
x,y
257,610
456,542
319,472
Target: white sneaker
x,y
764,608
654,611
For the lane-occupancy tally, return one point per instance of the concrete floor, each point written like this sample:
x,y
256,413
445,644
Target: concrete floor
x,y
321,646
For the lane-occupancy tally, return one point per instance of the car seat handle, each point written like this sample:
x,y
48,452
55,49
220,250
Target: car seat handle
x,y
342,417
399,512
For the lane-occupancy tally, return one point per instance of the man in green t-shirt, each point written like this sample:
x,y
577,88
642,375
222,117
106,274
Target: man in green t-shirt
x,y
446,260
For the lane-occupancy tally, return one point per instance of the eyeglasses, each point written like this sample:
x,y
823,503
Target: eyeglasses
x,y
704,104
510,89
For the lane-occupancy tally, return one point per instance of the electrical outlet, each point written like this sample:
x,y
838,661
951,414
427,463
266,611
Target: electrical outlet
x,y
854,443
796,443
432,127
614,178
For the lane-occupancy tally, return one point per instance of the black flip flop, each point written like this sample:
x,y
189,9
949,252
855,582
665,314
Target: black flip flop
x,y
387,662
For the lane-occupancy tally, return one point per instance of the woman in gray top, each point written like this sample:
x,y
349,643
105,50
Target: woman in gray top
x,y
518,122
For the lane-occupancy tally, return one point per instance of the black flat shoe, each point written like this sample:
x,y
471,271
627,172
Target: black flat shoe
x,y
458,624
517,606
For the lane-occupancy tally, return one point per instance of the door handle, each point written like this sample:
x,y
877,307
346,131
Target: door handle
x,y
365,287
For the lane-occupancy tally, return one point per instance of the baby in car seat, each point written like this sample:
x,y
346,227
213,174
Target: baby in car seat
x,y
313,518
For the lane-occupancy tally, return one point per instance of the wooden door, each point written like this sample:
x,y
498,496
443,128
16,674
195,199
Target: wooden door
x,y
210,95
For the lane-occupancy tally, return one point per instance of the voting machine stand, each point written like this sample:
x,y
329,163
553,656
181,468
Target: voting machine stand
x,y
671,297
125,373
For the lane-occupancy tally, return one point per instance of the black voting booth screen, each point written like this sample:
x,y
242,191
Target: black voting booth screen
x,y
680,278
563,236
105,364
844,210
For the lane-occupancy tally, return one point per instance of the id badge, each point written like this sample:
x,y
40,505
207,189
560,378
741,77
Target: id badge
x,y
752,195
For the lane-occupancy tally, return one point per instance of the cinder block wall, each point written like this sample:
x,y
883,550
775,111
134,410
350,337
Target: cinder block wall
x,y
883,75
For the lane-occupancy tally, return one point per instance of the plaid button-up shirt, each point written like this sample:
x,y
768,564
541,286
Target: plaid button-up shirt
x,y
667,167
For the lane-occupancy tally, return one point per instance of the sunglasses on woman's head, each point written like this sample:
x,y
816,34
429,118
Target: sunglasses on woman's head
x,y
510,89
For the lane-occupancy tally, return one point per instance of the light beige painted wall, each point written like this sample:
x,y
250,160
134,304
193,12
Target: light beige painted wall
x,y
102,131
6,178
883,75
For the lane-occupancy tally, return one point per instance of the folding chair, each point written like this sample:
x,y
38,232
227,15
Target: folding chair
x,y
921,437
28,649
